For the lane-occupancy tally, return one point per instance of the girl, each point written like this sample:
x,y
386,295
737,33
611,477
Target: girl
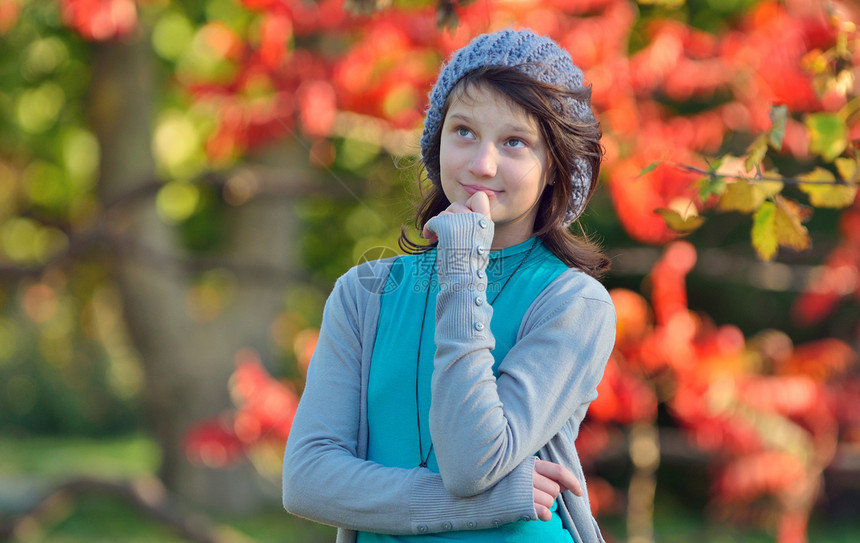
x,y
448,385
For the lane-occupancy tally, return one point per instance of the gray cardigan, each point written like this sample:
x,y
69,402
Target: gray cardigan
x,y
485,429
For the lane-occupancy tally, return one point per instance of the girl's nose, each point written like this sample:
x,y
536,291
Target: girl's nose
x,y
483,163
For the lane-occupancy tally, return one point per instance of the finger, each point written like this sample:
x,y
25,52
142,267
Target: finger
x,y
457,207
542,503
428,233
546,485
543,513
560,475
544,493
479,203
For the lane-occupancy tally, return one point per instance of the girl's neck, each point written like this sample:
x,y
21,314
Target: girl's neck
x,y
508,235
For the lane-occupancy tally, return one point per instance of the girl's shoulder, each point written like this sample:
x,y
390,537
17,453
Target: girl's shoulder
x,y
376,277
569,281
368,277
575,282
573,291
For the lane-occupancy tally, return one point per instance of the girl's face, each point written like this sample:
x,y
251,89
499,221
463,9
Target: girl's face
x,y
490,144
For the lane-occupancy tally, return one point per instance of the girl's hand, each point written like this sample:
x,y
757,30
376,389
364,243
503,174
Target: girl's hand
x,y
549,481
477,203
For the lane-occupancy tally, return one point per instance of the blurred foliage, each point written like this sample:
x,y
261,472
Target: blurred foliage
x,y
727,116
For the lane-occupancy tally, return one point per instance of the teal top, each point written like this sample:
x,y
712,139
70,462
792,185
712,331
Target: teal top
x,y
516,276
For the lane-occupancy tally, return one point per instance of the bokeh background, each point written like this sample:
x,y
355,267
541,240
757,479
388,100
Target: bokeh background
x,y
181,182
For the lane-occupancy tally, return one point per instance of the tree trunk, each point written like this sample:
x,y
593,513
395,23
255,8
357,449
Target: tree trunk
x,y
187,363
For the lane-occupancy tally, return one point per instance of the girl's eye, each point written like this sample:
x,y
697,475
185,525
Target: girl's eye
x,y
464,132
516,142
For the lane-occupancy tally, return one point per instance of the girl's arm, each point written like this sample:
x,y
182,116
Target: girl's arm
x,y
323,478
483,426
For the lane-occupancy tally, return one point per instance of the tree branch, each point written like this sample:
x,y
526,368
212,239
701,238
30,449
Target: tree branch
x,y
238,187
787,180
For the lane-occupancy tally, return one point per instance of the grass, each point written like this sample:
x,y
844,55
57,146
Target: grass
x,y
56,458
30,466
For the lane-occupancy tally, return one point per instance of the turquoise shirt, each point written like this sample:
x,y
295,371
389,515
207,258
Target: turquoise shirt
x,y
391,397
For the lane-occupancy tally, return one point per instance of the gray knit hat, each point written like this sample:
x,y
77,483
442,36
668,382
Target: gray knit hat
x,y
536,56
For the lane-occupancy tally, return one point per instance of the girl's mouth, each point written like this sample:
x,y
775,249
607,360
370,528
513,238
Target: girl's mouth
x,y
472,189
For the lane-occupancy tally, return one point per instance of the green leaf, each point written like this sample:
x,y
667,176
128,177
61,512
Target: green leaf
x,y
649,168
763,235
756,153
712,185
778,118
715,163
828,135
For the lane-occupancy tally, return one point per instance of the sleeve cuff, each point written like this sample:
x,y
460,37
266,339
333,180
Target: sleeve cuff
x,y
512,499
464,243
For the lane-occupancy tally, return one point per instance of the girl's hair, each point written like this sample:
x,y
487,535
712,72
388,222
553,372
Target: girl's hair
x,y
565,136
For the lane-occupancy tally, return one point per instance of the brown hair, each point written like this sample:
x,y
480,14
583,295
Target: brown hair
x,y
565,136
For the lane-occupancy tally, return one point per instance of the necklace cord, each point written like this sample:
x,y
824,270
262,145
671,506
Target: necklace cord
x,y
496,297
423,463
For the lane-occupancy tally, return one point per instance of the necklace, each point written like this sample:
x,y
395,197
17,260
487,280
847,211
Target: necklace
x,y
423,459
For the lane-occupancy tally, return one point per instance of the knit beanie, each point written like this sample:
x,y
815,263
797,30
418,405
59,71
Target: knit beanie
x,y
536,56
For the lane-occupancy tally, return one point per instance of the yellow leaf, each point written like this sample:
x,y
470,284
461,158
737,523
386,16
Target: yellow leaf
x,y
847,168
778,224
742,196
787,220
663,3
763,234
679,223
771,188
735,167
824,191
756,153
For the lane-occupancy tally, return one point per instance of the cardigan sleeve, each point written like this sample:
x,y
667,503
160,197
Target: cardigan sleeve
x,y
325,480
483,426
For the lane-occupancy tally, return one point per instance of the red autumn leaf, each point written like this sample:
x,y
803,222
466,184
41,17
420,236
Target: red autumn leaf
x,y
100,19
275,34
751,476
633,317
266,407
668,290
787,395
213,443
623,397
820,360
9,11
317,107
